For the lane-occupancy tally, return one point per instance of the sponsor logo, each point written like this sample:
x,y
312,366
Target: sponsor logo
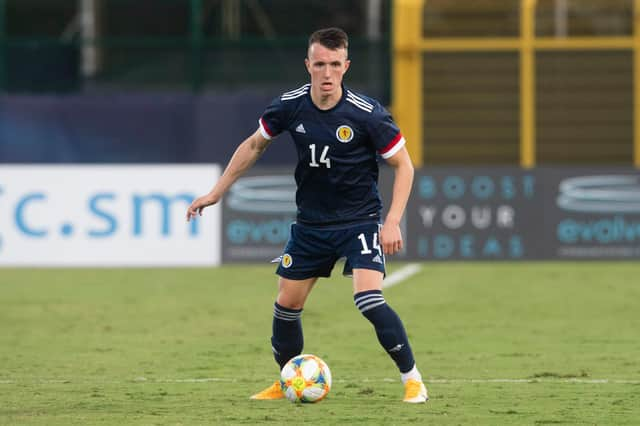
x,y
344,134
606,230
259,211
300,129
263,194
600,194
287,260
249,231
473,216
105,220
377,259
104,215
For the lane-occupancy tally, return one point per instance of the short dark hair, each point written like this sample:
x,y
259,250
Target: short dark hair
x,y
331,38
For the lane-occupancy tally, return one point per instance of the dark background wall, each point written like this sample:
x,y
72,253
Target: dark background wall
x,y
132,128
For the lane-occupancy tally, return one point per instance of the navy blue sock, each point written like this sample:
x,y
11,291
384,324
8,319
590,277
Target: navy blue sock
x,y
287,340
389,328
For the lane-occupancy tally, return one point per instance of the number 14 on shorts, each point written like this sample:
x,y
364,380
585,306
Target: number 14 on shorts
x,y
365,247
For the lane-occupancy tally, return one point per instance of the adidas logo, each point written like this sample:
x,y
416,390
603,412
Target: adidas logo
x,y
377,259
396,348
300,129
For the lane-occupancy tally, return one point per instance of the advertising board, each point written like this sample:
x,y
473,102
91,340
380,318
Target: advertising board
x,y
592,213
258,212
474,214
111,215
550,213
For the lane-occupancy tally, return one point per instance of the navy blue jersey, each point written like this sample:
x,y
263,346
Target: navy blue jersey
x,y
337,170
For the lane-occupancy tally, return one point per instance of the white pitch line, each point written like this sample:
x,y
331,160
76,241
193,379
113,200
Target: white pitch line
x,y
401,274
568,380
384,380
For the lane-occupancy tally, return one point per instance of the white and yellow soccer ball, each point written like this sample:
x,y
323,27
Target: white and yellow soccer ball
x,y
305,378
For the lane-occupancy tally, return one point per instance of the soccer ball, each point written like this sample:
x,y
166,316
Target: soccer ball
x,y
305,378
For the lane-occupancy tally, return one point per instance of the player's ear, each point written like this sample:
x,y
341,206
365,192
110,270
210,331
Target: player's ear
x,y
307,64
346,65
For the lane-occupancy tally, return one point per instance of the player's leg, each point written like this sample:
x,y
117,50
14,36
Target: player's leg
x,y
287,338
365,261
308,255
367,295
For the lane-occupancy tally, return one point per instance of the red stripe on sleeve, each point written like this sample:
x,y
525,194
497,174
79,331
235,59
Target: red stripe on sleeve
x,y
391,144
266,128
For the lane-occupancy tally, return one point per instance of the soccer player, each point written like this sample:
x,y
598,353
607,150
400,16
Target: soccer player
x,y
338,135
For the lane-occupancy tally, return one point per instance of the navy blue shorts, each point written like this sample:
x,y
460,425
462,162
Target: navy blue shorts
x,y
313,252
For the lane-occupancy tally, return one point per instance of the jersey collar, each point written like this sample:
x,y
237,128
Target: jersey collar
x,y
340,102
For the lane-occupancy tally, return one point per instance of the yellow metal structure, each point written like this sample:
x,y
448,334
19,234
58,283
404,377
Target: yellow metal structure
x,y
407,102
636,83
409,45
527,84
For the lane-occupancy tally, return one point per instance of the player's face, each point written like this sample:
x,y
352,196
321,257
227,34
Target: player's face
x,y
326,68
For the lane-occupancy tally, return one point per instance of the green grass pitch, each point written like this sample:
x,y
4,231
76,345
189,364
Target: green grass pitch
x,y
498,343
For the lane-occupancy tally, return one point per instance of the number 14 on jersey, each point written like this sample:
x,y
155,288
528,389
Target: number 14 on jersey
x,y
324,159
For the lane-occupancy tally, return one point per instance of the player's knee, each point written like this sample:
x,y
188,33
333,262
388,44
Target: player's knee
x,y
289,302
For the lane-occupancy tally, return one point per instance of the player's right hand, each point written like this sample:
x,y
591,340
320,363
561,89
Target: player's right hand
x,y
199,204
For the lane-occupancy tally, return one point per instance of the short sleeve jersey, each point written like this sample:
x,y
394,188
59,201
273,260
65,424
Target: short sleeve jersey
x,y
338,149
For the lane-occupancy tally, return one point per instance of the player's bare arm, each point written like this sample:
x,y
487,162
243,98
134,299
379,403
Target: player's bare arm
x,y
390,235
243,158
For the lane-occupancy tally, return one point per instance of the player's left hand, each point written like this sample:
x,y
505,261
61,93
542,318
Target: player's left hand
x,y
391,238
